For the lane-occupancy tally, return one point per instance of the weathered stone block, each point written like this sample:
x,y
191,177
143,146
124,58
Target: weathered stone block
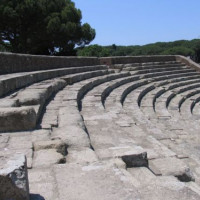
x,y
70,116
82,156
73,136
17,119
96,181
59,145
33,96
133,156
172,166
14,178
47,157
9,103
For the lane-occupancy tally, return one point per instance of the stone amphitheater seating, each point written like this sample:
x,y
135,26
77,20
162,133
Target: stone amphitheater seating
x,y
99,128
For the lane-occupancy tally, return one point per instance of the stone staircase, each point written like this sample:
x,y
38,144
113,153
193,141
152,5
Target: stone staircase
x,y
108,128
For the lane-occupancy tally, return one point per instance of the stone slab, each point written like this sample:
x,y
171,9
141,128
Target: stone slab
x,y
73,136
43,191
47,157
96,181
40,135
3,140
82,156
167,188
70,116
27,152
17,119
143,176
59,145
172,166
42,184
23,142
133,156
33,96
9,102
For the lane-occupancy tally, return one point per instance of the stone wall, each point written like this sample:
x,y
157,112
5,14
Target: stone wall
x,y
135,59
12,63
188,62
143,59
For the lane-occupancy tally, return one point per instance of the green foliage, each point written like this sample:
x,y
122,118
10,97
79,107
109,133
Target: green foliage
x,y
94,50
196,48
179,51
181,47
2,48
43,26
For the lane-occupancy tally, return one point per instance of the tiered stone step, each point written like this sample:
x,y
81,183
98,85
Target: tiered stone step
x,y
182,79
148,98
149,65
24,106
107,179
106,131
88,115
170,134
195,105
127,91
134,78
11,82
69,117
95,112
49,121
142,92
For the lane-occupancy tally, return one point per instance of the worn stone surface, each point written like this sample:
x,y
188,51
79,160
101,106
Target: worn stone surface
x,y
93,181
143,176
40,135
24,142
47,157
73,136
172,166
14,177
70,116
41,181
167,188
50,119
133,156
32,96
81,156
4,140
27,152
9,103
59,145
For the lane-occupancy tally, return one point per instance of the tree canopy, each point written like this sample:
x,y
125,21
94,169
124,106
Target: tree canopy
x,y
94,50
43,27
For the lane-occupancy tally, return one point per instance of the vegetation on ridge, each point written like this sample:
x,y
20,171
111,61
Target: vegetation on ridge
x,y
181,47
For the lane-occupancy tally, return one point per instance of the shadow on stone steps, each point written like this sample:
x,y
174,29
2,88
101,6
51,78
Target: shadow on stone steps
x,y
36,197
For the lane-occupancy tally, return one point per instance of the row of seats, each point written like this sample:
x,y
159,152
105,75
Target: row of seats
x,y
28,92
134,126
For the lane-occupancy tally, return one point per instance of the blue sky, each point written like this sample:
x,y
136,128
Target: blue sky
x,y
138,22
